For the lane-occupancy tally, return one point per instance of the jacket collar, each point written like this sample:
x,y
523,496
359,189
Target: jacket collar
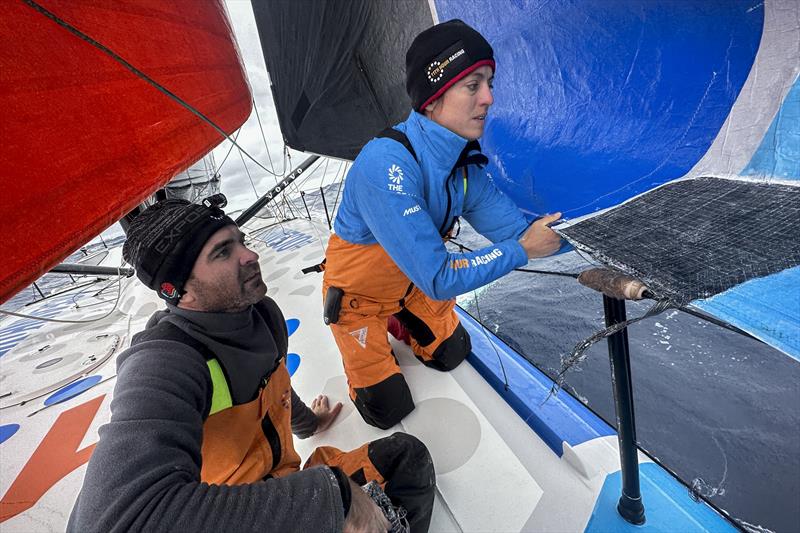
x,y
217,324
440,144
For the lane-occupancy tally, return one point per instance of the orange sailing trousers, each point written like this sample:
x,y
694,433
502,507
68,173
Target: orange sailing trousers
x,y
375,289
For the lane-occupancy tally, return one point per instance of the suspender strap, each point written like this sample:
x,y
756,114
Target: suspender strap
x,y
221,397
220,391
399,136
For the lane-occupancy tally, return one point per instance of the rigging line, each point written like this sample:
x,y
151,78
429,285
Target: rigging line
x,y
579,353
491,342
489,339
80,293
249,177
686,309
321,183
341,182
306,176
61,321
294,186
264,137
324,173
230,149
527,270
116,57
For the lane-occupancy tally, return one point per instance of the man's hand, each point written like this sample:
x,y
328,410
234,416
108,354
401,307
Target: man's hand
x,y
325,415
539,240
364,515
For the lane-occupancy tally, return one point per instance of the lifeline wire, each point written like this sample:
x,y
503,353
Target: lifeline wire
x,y
485,331
60,321
579,354
528,270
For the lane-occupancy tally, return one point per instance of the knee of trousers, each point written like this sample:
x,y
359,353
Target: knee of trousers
x,y
452,351
403,454
386,403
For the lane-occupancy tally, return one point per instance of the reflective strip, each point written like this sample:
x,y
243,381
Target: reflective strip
x,y
221,397
465,181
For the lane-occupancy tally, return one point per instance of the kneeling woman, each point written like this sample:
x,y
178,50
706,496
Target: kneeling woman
x,y
387,265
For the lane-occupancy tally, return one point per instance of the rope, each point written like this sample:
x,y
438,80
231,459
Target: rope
x,y
230,149
461,247
578,354
491,342
266,146
116,57
62,321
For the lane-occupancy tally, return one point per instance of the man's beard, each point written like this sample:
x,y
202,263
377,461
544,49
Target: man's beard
x,y
215,298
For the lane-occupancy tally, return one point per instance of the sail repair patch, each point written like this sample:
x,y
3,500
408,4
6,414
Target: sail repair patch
x,y
695,238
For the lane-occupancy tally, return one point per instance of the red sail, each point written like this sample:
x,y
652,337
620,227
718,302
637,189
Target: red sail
x,y
84,138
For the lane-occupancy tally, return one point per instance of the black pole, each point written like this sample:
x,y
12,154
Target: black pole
x,y
325,205
251,211
35,286
72,268
303,197
630,505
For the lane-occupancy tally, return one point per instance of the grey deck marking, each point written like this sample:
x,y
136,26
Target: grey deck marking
x,y
449,429
51,362
276,274
304,291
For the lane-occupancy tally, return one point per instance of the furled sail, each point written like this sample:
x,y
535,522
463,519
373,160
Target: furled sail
x,y
86,138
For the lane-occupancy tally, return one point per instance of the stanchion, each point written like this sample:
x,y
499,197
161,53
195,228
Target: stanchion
x,y
630,504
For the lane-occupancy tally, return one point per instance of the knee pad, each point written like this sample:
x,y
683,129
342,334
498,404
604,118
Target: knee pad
x,y
401,450
452,351
386,403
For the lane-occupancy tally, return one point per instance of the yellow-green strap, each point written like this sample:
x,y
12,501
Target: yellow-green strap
x,y
221,397
465,180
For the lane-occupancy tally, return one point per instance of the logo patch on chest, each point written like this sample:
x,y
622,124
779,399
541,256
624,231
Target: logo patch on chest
x,y
395,178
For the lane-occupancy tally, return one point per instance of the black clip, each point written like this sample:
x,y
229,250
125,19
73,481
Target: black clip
x,y
332,306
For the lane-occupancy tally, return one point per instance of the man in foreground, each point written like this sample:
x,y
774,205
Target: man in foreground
x,y
200,436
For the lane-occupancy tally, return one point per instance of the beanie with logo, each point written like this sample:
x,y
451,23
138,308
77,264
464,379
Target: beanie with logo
x,y
164,240
442,55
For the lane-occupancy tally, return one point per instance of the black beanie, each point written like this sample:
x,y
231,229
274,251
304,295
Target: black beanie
x,y
440,56
164,240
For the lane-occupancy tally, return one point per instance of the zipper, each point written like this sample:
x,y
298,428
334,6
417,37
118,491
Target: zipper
x,y
449,202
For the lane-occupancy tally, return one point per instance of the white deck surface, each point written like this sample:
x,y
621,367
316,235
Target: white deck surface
x,y
493,472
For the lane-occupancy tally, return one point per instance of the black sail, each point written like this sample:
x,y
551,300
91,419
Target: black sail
x,y
337,68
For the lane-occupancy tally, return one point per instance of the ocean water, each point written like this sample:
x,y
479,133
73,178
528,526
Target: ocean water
x,y
719,409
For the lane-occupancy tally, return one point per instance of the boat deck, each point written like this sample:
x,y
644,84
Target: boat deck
x,y
536,466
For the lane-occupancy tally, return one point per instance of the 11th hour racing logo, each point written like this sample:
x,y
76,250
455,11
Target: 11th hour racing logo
x,y
395,178
435,70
